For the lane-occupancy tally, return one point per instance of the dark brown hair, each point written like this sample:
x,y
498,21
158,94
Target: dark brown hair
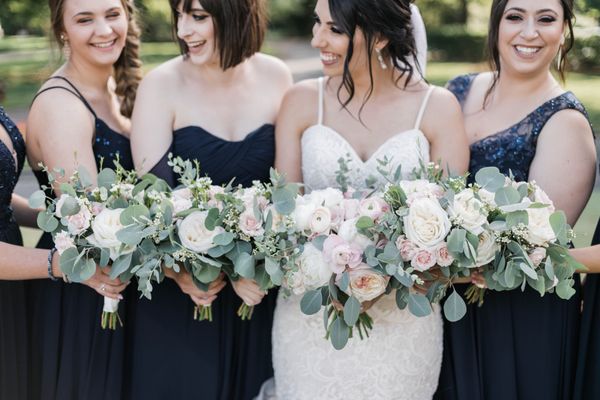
x,y
389,19
2,91
128,67
240,27
493,54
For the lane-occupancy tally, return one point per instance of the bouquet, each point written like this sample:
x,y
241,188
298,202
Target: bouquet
x,y
95,226
530,237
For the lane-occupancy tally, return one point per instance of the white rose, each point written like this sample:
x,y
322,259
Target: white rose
x,y
537,256
302,215
104,233
314,268
540,232
327,197
182,200
194,235
468,212
350,234
487,198
487,249
539,196
63,241
420,188
293,281
426,224
366,284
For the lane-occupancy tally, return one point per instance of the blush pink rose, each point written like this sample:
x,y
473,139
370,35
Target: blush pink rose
x,y
250,225
423,260
407,248
373,207
341,254
444,258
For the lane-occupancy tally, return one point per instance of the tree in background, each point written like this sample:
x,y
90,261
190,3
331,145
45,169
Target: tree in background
x,y
30,16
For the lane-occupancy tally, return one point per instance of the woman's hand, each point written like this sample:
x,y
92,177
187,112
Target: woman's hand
x,y
187,286
105,286
249,291
478,279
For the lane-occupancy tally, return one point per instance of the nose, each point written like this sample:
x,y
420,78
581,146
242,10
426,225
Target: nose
x,y
103,27
317,40
183,26
529,30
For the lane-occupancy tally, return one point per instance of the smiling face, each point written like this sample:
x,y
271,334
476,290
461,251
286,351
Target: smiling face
x,y
195,27
95,30
530,35
333,44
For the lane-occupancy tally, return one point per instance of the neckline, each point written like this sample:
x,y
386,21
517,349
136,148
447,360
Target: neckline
x,y
529,115
201,129
109,130
377,150
14,155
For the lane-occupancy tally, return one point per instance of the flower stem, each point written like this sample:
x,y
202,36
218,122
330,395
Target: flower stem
x,y
203,313
109,320
475,294
245,312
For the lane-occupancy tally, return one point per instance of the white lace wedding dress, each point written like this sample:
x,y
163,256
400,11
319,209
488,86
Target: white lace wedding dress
x,y
402,357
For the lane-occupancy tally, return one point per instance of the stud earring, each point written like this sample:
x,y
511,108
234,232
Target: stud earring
x,y
380,59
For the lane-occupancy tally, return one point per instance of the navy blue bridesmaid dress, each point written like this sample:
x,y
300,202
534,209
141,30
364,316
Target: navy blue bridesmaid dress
x,y
13,323
176,357
72,356
518,345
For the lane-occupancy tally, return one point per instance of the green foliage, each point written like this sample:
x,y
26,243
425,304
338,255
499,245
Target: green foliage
x,y
455,43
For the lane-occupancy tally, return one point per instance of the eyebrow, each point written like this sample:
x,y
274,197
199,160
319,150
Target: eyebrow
x,y
330,23
542,11
88,13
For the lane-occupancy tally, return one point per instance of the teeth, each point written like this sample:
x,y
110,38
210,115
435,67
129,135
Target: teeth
x,y
527,50
104,45
328,57
196,44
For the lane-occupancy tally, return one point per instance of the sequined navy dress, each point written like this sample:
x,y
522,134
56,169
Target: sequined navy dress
x,y
73,357
13,324
518,345
226,359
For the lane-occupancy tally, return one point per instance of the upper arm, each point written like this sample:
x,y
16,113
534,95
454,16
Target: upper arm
x,y
151,122
63,129
444,126
294,117
565,162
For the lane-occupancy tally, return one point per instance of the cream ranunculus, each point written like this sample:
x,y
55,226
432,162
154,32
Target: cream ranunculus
x,y
373,207
302,214
328,197
194,235
105,227
320,221
366,284
182,200
487,248
420,188
468,211
540,232
427,223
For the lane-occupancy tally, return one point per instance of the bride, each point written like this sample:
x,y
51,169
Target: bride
x,y
371,104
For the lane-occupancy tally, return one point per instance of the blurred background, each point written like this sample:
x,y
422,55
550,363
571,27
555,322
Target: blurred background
x,y
456,31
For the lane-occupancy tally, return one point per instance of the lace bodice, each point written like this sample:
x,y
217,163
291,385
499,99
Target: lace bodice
x,y
512,149
11,166
402,358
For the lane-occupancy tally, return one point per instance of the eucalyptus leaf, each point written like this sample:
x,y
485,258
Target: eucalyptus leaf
x,y
401,299
517,217
104,257
205,274
130,235
558,221
490,179
530,272
88,269
507,196
344,281
351,311
46,221
262,279
223,239
454,307
365,223
211,219
418,305
106,178
456,241
84,176
69,207
549,268
311,302
319,241
340,333
37,199
134,214
120,265
284,200
244,265
564,290
67,261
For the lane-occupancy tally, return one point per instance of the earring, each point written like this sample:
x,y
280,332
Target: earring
x,y
66,48
380,59
559,58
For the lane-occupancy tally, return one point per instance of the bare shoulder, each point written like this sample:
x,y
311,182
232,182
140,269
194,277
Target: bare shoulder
x,y
273,69
300,105
568,124
165,76
442,103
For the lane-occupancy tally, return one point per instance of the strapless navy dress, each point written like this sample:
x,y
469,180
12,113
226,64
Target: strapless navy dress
x,y
176,357
518,345
73,358
13,323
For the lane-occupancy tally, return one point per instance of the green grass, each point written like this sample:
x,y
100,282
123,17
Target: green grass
x,y
23,43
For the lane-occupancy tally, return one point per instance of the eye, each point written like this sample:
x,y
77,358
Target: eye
x,y
513,17
84,20
547,19
336,30
316,19
113,15
198,17
177,14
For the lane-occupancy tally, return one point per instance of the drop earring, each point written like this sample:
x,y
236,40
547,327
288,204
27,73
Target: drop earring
x,y
66,48
380,59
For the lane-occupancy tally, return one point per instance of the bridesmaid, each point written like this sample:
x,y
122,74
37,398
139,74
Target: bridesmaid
x,y
215,103
519,345
587,386
80,118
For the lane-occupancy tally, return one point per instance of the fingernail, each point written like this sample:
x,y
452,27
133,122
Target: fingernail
x,y
120,297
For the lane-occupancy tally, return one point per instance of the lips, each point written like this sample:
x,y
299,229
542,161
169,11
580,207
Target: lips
x,y
527,51
104,45
329,58
195,44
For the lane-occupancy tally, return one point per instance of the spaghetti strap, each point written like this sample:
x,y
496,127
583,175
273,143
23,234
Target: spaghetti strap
x,y
74,91
423,107
321,82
